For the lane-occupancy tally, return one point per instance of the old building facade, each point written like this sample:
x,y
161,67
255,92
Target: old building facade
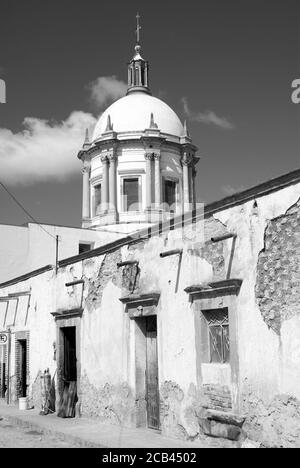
x,y
173,327
190,324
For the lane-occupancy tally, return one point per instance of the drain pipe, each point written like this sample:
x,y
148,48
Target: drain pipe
x,y
171,252
128,262
224,237
178,252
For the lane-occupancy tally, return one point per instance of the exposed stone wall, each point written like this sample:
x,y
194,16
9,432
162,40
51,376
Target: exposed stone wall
x,y
113,404
213,253
275,424
183,413
108,271
278,270
218,397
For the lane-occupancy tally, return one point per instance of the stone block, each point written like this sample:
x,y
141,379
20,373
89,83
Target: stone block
x,y
226,418
225,431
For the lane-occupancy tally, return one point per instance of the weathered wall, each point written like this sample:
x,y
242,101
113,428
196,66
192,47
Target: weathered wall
x,y
267,258
266,386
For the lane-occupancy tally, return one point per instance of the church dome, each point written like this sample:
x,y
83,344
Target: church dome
x,y
132,113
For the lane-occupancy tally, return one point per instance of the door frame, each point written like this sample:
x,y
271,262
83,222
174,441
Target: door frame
x,y
25,337
66,320
146,379
138,307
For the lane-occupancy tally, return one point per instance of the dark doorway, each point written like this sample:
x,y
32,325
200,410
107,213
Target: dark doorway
x,y
2,371
23,368
70,360
152,393
69,373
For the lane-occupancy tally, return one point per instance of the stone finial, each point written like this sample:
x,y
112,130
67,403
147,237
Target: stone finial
x,y
86,139
186,133
109,125
152,123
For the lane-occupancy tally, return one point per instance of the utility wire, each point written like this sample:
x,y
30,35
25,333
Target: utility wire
x,y
25,211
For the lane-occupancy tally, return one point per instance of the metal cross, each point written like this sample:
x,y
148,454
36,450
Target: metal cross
x,y
138,28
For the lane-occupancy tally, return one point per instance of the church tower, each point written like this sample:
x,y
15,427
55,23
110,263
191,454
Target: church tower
x,y
139,165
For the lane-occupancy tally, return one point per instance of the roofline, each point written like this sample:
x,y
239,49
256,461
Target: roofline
x,y
258,191
26,276
13,225
25,225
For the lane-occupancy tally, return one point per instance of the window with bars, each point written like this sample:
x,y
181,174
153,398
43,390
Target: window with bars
x,y
218,335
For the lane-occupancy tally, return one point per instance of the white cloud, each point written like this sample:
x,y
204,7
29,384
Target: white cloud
x,y
106,89
46,150
43,150
207,117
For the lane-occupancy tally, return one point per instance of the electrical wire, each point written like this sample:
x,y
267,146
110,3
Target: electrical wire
x,y
25,211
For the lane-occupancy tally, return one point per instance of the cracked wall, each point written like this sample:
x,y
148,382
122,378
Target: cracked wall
x,y
113,404
274,424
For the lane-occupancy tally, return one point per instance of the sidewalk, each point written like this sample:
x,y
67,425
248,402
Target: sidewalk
x,y
91,433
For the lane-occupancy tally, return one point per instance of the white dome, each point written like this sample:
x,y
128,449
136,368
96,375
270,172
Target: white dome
x,y
132,114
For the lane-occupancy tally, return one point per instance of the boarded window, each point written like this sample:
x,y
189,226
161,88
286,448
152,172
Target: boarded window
x,y
131,194
97,199
170,193
218,331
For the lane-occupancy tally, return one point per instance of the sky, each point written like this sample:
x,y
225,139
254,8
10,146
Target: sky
x,y
226,66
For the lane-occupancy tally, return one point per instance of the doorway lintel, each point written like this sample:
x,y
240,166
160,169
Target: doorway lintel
x,y
141,305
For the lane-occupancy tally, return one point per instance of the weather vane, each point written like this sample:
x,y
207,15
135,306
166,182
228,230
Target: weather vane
x,y
138,28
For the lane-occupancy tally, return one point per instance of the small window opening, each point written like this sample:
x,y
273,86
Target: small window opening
x,y
218,334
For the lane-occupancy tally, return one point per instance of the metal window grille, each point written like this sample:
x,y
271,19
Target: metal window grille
x,y
218,331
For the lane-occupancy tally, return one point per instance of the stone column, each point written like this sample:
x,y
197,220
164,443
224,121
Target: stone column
x,y
186,189
112,182
157,181
86,190
104,185
149,158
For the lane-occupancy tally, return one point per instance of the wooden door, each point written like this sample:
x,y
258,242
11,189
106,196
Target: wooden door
x,y
152,392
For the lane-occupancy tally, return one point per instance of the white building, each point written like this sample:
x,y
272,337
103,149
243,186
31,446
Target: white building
x,y
140,163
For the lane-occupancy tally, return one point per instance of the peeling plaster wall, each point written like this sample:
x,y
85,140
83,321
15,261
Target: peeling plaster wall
x,y
268,361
